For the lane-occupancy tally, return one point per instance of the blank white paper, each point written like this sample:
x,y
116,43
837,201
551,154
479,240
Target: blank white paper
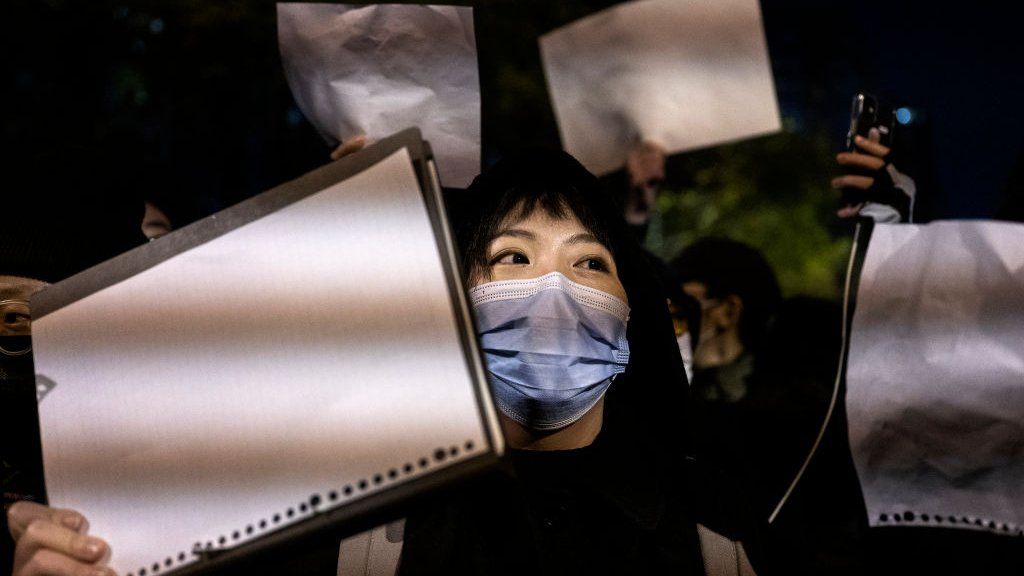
x,y
684,74
935,381
298,354
380,68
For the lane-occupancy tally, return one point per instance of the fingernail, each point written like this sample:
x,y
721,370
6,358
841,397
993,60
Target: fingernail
x,y
92,546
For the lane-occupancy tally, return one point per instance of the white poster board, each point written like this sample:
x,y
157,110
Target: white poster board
x,y
682,74
297,363
935,379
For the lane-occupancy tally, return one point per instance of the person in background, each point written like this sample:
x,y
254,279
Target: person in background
x,y
764,371
738,295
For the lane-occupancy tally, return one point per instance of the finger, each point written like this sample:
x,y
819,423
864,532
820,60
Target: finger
x,y
860,160
873,148
853,181
353,144
45,535
50,563
849,211
645,163
21,514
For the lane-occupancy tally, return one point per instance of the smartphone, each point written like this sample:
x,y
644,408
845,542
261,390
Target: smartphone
x,y
869,112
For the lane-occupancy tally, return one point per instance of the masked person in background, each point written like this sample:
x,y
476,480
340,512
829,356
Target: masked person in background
x,y
739,295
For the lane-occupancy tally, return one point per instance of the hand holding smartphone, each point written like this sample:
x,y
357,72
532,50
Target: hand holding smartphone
x,y
867,113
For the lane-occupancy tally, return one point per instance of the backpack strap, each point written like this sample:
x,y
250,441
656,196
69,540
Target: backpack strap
x,y
372,553
722,556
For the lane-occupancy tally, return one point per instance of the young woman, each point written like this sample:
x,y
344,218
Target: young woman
x,y
587,377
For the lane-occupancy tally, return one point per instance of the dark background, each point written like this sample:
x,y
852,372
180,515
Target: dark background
x,y
189,98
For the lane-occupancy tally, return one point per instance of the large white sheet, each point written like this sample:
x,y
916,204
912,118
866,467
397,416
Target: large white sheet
x,y
935,382
214,394
381,68
684,74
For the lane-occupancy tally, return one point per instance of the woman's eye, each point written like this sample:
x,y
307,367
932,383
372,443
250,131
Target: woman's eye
x,y
594,264
511,258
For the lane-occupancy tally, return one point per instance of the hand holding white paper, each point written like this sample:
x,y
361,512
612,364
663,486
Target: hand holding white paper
x,y
378,69
684,75
935,380
303,361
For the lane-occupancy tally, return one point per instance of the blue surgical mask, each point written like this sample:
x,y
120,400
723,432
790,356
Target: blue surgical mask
x,y
552,346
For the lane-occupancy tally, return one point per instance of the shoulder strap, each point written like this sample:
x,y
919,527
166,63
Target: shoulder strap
x,y
722,556
372,553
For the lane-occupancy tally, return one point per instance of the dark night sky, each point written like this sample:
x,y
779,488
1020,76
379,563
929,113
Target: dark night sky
x,y
959,64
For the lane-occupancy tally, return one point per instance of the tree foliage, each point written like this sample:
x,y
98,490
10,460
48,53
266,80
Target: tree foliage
x,y
772,193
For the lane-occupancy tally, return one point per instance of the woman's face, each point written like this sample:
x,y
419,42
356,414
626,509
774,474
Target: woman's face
x,y
541,244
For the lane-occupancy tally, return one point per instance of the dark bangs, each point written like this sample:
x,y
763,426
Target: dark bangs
x,y
515,188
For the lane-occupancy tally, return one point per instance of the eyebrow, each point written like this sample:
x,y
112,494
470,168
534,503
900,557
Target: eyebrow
x,y
11,294
516,233
583,238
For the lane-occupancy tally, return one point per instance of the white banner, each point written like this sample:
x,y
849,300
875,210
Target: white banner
x,y
935,381
682,74
381,68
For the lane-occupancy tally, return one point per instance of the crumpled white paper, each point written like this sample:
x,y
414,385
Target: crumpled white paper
x,y
935,381
378,69
684,75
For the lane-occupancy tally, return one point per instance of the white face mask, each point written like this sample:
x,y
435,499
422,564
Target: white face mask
x,y
686,351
